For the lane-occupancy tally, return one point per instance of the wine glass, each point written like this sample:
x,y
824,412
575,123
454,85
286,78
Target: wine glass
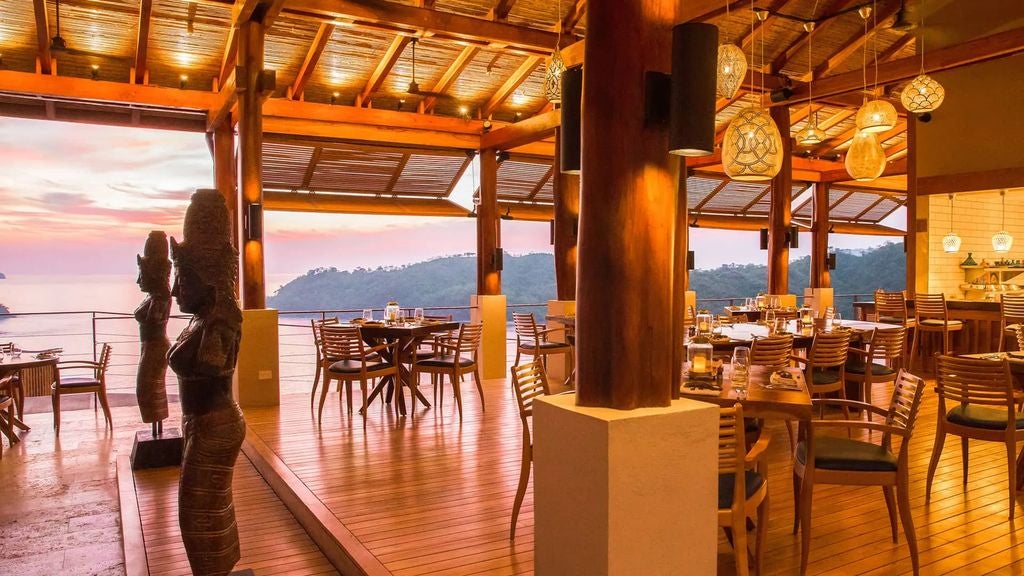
x,y
837,320
417,315
740,371
15,351
401,317
367,315
769,318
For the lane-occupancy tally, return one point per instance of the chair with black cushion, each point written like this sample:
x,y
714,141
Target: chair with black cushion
x,y
742,490
891,308
454,359
825,364
318,345
346,358
532,339
840,460
528,382
977,402
878,362
1011,317
932,317
94,381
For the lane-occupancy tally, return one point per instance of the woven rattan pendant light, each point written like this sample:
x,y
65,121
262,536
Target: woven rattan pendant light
x,y
951,242
810,134
923,94
752,146
865,160
1002,241
875,115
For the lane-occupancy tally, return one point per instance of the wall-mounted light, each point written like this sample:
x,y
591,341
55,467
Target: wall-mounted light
x,y
830,262
254,222
793,237
693,89
689,260
572,120
764,238
551,228
499,259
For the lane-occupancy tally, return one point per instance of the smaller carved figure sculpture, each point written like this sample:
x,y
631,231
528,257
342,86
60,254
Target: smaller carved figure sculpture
x,y
152,314
203,357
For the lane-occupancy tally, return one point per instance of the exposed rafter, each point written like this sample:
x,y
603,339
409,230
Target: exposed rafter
x,y
540,184
450,76
42,36
65,87
793,49
316,49
572,18
501,10
384,66
761,26
530,130
142,41
851,46
509,86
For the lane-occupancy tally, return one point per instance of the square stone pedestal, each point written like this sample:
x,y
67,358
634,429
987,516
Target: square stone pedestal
x,y
257,374
491,311
625,492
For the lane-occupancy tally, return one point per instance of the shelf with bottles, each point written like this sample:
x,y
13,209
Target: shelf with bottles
x,y
989,280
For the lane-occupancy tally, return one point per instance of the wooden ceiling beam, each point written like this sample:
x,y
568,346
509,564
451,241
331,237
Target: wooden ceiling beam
x,y
242,11
227,97
710,196
841,175
572,18
414,20
754,223
367,133
399,169
314,159
142,41
523,132
803,112
316,49
879,20
896,149
509,86
383,68
540,185
359,204
66,87
747,38
797,45
896,47
836,118
391,119
455,69
982,49
500,11
42,36
723,103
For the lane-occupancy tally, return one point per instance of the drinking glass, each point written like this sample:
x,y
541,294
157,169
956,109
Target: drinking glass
x,y
401,317
368,314
740,370
417,315
769,319
837,320
15,351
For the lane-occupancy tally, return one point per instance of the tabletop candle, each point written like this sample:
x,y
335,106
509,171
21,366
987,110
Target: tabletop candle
x,y
699,364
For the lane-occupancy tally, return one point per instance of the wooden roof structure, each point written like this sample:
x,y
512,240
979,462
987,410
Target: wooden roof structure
x,y
343,122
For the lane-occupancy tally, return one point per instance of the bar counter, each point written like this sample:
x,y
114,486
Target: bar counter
x,y
980,318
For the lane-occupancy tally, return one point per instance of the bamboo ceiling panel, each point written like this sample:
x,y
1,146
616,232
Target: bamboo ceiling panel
x,y
174,51
346,64
474,8
428,175
698,188
734,197
285,48
481,78
541,14
517,179
883,41
96,34
432,59
854,205
527,98
17,35
355,171
285,165
729,112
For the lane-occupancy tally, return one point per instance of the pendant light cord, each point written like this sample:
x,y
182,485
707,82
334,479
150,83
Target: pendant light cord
x,y
950,213
727,2
874,39
810,70
864,59
920,37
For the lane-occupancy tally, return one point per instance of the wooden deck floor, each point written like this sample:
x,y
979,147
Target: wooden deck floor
x,y
431,496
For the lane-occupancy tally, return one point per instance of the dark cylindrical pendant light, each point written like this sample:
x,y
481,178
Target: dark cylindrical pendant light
x,y
694,81
572,129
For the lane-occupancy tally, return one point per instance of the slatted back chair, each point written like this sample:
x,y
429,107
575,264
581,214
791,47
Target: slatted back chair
x,y
529,382
774,351
879,361
532,339
1011,317
977,401
6,403
454,359
346,358
891,308
318,344
742,491
94,382
833,459
932,317
825,365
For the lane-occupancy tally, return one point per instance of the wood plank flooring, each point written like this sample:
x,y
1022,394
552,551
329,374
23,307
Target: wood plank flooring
x,y
272,542
432,496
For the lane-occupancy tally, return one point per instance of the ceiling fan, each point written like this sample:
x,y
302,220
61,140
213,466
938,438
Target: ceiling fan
x,y
60,45
414,87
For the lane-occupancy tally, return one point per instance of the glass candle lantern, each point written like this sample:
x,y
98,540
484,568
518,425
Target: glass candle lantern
x,y
704,323
699,355
760,301
806,316
391,311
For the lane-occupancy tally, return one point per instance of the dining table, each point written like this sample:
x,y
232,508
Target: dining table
x,y
761,399
744,333
407,337
14,365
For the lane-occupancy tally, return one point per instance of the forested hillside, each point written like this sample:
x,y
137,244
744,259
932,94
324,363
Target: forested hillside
x,y
530,279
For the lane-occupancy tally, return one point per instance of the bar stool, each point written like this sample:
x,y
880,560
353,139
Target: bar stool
x,y
1011,317
891,308
932,316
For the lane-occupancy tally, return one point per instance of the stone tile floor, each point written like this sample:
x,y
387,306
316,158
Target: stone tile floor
x,y
59,511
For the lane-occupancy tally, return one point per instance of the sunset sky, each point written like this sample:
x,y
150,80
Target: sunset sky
x,y
80,199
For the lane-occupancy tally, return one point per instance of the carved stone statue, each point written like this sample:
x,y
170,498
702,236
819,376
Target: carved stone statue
x,y
203,357
152,314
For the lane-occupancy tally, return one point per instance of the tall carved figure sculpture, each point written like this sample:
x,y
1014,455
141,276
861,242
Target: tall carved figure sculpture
x,y
152,314
203,357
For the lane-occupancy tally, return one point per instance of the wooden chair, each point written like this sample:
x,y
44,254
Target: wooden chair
x,y
532,339
774,351
742,491
318,344
95,383
825,364
1011,317
891,308
932,316
839,460
878,362
454,360
6,403
984,402
528,382
346,358
17,392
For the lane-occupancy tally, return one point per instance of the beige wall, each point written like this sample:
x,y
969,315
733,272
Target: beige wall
x,y
976,216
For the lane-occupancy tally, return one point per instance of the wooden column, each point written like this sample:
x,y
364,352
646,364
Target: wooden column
x,y
681,279
488,278
911,239
567,214
224,174
820,277
780,213
250,157
624,314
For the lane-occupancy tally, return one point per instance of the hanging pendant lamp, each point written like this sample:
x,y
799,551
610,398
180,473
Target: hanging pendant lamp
x,y
553,72
865,160
752,146
810,134
923,93
732,66
951,242
1002,241
875,115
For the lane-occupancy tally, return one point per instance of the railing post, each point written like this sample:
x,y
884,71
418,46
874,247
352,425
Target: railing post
x,y
93,313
